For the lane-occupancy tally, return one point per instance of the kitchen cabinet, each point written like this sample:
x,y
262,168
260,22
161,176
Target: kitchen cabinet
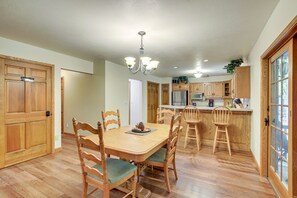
x,y
180,87
241,82
227,89
213,90
196,88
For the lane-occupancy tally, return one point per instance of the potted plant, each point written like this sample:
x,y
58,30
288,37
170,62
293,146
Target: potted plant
x,y
231,66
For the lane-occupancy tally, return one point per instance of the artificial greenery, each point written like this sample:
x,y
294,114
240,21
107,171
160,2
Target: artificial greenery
x,y
183,79
231,66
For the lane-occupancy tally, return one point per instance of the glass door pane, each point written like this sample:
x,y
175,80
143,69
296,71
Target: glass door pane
x,y
279,116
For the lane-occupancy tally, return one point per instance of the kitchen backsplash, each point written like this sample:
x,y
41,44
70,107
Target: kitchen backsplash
x,y
204,103
220,102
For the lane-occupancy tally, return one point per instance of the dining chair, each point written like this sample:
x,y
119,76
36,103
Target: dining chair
x,y
221,116
191,116
164,116
111,119
102,173
165,157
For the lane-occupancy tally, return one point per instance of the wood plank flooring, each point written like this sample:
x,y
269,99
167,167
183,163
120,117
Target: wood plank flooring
x,y
201,174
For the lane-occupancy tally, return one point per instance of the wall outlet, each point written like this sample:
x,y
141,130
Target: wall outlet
x,y
67,125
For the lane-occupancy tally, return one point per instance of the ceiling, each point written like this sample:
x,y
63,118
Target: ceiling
x,y
180,33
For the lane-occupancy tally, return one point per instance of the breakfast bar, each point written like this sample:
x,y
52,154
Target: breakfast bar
x,y
239,128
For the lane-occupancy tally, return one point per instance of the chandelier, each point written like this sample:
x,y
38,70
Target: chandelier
x,y
145,64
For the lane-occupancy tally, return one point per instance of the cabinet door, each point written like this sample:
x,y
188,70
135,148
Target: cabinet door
x,y
199,88
180,87
208,90
242,82
227,89
218,90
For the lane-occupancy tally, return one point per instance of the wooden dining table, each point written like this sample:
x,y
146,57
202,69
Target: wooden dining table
x,y
136,147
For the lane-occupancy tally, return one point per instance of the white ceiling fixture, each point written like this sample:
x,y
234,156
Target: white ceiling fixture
x,y
198,75
145,64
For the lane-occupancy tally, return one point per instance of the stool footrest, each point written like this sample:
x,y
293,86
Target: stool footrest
x,y
222,141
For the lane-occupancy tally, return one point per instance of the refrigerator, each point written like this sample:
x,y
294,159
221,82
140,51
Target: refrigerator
x,y
179,98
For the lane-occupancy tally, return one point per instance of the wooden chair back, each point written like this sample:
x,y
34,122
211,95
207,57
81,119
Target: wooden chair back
x,y
111,120
87,160
221,115
191,114
173,137
164,116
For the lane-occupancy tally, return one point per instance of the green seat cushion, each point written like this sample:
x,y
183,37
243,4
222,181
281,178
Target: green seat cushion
x,y
158,156
116,169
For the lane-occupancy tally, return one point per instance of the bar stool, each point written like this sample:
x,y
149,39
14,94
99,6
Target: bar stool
x,y
221,116
191,116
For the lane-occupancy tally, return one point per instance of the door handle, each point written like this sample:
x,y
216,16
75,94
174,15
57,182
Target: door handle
x,y
47,113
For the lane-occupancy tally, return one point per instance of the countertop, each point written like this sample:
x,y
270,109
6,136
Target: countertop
x,y
202,108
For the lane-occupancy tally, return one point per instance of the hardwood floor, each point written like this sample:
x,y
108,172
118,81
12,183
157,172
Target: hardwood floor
x,y
201,174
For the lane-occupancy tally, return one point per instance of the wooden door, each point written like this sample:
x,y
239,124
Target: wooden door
x,y
165,94
280,157
26,130
152,101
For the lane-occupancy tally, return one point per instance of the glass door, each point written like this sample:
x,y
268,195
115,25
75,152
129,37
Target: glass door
x,y
280,126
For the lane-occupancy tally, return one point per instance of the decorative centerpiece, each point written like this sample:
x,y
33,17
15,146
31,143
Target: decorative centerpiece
x,y
140,128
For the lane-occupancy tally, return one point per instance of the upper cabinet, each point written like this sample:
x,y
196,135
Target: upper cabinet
x,y
241,82
213,90
227,89
196,88
180,87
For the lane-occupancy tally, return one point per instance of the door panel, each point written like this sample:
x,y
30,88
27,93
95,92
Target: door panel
x,y
27,130
15,136
38,97
15,96
36,133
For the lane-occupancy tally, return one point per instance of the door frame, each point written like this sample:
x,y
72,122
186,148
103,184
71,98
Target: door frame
x,y
286,35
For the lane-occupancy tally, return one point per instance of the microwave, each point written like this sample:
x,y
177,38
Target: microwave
x,y
197,96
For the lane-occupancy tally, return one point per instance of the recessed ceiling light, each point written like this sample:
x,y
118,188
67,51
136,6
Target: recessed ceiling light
x,y
175,67
205,60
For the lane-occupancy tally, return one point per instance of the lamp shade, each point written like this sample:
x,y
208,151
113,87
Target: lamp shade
x,y
130,61
198,75
154,64
145,60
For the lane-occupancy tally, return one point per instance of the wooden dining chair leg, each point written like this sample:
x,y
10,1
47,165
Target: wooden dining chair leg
x,y
134,186
197,137
215,140
174,169
186,137
138,173
228,141
166,172
85,189
106,193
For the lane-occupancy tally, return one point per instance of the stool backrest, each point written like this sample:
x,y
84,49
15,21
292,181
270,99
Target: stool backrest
x,y
191,113
221,115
